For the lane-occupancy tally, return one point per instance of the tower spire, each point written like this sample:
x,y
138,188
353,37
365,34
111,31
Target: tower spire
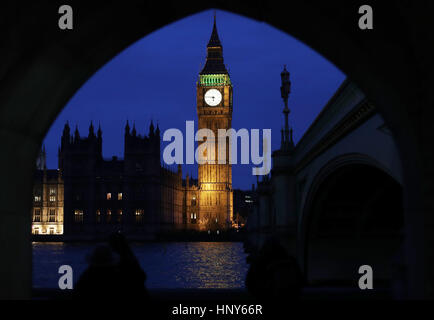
x,y
214,58
127,129
157,131
91,131
134,132
214,40
99,130
76,133
151,129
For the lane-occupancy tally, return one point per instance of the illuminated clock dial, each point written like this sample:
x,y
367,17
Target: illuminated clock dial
x,y
213,97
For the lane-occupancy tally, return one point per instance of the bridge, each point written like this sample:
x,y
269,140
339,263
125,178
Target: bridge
x,y
335,199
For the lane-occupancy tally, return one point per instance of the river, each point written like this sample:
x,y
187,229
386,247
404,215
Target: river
x,y
168,265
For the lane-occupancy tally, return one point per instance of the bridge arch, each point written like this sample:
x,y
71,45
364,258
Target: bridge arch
x,y
353,215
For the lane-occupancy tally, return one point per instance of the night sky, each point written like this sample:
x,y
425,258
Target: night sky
x,y
155,78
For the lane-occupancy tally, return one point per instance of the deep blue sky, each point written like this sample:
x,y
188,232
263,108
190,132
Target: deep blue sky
x,y
155,78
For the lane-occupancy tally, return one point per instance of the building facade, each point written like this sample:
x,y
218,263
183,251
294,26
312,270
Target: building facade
x,y
91,196
135,195
48,202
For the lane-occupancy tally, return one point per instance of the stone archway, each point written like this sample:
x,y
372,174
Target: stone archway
x,y
354,218
43,67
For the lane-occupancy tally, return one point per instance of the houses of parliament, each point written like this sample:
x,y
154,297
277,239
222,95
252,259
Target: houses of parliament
x,y
88,196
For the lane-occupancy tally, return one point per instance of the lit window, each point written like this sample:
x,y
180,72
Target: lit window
x,y
109,215
109,196
37,215
78,215
119,215
52,198
120,196
52,191
139,215
38,198
52,215
193,217
98,216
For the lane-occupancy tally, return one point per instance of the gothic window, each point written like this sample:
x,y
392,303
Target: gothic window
x,y
120,196
120,216
109,196
98,216
193,217
52,215
193,201
52,198
38,198
52,191
109,216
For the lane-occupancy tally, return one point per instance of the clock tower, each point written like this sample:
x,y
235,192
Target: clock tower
x,y
214,110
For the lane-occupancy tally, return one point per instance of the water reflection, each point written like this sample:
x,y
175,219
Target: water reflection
x,y
168,265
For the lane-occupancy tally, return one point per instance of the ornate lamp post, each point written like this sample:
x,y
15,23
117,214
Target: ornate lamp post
x,y
285,90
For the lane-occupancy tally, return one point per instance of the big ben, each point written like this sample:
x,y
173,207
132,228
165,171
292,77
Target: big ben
x,y
214,110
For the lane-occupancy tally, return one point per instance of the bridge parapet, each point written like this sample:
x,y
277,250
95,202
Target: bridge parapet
x,y
347,98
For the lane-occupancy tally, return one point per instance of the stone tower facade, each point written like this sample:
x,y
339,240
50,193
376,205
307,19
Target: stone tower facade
x,y
47,212
135,195
214,110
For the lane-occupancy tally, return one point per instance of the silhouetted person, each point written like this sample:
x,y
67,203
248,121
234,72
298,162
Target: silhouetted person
x,y
133,276
102,279
274,274
113,273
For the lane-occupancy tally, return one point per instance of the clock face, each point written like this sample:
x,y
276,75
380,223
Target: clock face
x,y
213,97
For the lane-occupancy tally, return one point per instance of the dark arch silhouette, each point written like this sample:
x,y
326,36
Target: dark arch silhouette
x,y
43,67
355,218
